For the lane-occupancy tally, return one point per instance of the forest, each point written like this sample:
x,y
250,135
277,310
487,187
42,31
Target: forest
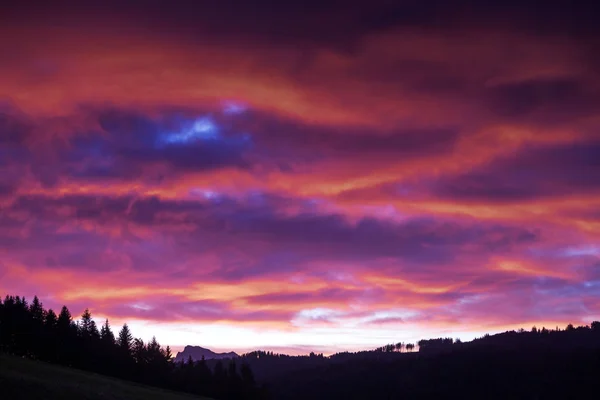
x,y
540,363
29,330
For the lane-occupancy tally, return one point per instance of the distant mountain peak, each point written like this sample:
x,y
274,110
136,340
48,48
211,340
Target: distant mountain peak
x,y
197,352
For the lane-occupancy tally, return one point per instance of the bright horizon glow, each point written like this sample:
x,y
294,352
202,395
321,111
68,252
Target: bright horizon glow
x,y
222,338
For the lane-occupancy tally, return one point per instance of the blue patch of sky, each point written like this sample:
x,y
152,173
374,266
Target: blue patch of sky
x,y
256,197
581,251
233,108
389,315
141,306
203,128
570,251
205,193
567,290
470,299
386,212
591,284
318,313
315,204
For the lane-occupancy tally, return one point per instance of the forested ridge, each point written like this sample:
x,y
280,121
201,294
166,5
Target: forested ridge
x,y
540,363
27,329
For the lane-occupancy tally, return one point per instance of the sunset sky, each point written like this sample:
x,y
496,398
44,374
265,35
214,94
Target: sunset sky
x,y
304,175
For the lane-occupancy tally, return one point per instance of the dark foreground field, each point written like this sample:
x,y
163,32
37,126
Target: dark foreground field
x,y
25,379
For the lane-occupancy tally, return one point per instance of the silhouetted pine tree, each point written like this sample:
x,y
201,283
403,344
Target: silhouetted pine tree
x,y
125,339
51,320
36,309
126,363
87,326
65,321
106,334
50,331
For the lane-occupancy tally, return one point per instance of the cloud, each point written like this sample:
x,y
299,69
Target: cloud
x,y
557,100
178,309
279,240
300,143
328,296
13,130
407,163
182,144
531,173
115,146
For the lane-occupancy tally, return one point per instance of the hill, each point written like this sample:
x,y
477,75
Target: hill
x,y
26,379
197,353
536,364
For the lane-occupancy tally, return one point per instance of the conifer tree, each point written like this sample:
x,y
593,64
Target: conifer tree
x,y
37,310
106,334
51,319
64,319
168,354
125,339
87,326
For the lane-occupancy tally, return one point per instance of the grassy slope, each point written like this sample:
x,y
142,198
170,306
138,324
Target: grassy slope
x,y
26,379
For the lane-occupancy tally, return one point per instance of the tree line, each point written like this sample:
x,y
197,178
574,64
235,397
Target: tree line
x,y
540,363
395,347
29,330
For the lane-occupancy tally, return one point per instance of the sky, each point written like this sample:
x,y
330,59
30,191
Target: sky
x,y
302,176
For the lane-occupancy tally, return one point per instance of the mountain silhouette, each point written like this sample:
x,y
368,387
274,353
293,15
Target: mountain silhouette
x,y
197,352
